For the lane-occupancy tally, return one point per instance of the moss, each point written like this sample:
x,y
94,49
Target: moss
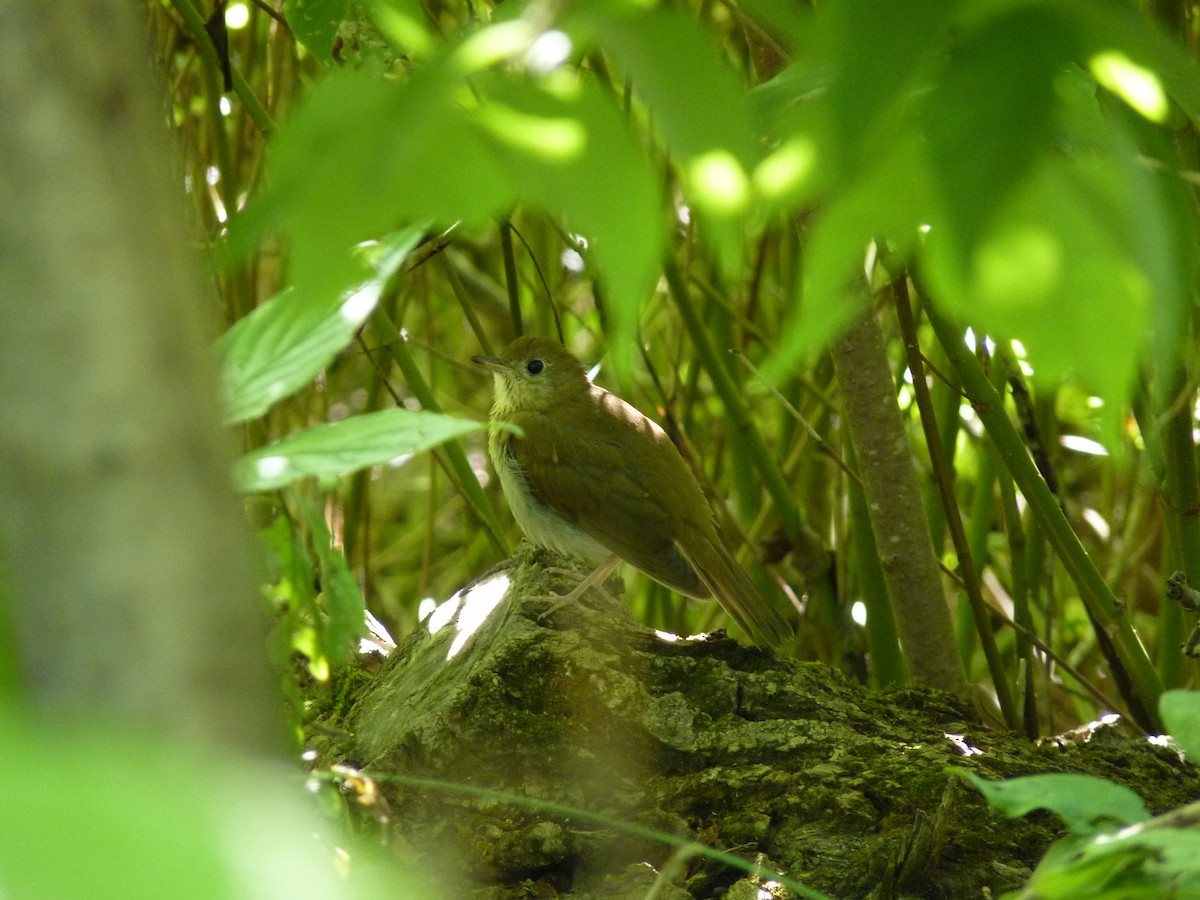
x,y
846,790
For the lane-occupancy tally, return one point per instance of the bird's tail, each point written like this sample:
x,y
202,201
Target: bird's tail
x,y
736,593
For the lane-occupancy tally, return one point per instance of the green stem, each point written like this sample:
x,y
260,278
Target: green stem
x,y
195,25
1181,498
1106,610
883,642
731,396
942,477
510,277
451,455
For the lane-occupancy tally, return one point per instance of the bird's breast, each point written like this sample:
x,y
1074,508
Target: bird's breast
x,y
541,523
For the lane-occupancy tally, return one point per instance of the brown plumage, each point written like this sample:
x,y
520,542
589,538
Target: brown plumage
x,y
594,477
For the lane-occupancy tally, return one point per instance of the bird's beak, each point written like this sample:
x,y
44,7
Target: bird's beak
x,y
491,362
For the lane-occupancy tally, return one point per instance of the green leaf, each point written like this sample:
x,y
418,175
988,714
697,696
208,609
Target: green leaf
x,y
1057,259
1112,24
282,345
882,204
315,24
1180,712
1082,801
339,448
871,53
362,154
989,118
671,62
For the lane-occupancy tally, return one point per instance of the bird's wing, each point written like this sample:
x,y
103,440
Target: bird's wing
x,y
606,488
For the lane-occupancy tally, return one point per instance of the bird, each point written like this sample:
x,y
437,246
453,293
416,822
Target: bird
x,y
589,475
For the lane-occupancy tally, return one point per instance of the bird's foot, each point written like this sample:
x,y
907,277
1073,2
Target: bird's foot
x,y
595,579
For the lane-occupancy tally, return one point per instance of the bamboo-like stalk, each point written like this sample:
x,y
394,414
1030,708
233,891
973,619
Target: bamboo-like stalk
x,y
195,24
1107,612
894,503
451,455
1181,499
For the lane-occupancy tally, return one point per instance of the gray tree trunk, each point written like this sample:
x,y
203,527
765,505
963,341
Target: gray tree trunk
x,y
131,588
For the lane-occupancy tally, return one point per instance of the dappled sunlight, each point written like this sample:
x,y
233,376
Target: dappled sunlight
x,y
787,169
1136,85
557,140
472,608
960,744
718,182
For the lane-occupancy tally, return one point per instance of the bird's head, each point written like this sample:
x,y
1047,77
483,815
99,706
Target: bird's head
x,y
534,374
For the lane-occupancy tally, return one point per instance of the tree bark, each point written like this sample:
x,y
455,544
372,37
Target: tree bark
x,y
130,579
898,520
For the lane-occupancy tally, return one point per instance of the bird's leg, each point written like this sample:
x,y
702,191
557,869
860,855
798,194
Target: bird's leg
x,y
595,578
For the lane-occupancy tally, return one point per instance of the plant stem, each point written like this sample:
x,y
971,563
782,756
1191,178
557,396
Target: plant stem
x,y
943,479
1107,612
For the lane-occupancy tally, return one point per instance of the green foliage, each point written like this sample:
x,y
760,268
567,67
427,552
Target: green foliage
x,y
1028,163
340,448
315,24
286,342
92,813
1031,164
1082,801
1115,849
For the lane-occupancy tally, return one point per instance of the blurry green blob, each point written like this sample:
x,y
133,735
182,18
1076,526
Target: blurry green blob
x,y
315,24
556,140
991,114
1136,85
872,56
1023,265
697,102
783,176
361,154
1180,712
493,44
107,816
883,204
1056,272
402,22
717,182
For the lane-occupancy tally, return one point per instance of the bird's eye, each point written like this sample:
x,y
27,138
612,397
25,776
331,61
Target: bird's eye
x,y
534,366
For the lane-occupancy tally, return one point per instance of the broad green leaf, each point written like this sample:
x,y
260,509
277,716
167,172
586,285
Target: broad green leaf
x,y
283,344
696,100
990,116
872,53
1105,873
883,204
1143,861
1057,260
595,176
1111,24
1082,801
339,448
315,24
1180,712
364,153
